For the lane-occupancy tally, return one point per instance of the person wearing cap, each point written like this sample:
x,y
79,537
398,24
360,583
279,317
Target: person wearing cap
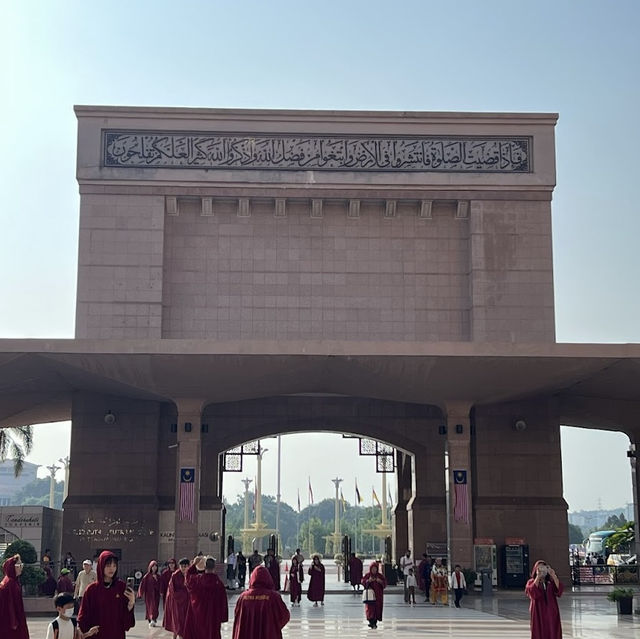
x,y
64,582
108,602
208,608
85,577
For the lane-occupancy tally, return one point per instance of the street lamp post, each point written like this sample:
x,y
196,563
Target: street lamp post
x,y
52,483
65,464
336,525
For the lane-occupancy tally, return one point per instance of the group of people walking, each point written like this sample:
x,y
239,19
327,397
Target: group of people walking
x,y
196,604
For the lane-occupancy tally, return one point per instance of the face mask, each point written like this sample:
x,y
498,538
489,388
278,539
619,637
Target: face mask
x,y
68,612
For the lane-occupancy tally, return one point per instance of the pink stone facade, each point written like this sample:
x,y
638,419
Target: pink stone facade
x,y
179,253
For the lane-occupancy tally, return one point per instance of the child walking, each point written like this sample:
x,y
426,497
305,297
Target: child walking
x,y
64,626
411,587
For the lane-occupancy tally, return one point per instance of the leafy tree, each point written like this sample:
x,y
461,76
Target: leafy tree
x,y
36,493
614,522
16,441
576,536
23,548
621,540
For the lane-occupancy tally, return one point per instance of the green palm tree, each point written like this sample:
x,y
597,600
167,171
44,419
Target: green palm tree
x,y
17,442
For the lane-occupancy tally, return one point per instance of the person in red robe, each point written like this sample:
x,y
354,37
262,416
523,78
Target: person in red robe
x,y
107,602
149,590
543,589
165,577
260,611
374,579
355,571
272,565
48,587
13,623
207,600
64,582
315,592
296,577
176,605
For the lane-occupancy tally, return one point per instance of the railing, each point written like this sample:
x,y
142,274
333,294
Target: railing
x,y
604,575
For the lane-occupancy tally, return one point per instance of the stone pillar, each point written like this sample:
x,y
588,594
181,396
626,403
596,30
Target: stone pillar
x,y
426,518
634,450
399,517
459,525
188,456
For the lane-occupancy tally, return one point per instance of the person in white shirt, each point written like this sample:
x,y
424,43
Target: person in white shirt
x,y
458,584
64,626
411,587
85,577
231,571
406,563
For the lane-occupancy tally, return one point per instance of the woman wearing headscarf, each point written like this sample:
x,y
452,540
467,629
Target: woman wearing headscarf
x,y
107,602
48,587
315,592
260,611
149,590
543,590
296,577
375,580
13,623
176,604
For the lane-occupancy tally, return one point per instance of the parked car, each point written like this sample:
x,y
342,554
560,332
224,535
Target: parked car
x,y
620,560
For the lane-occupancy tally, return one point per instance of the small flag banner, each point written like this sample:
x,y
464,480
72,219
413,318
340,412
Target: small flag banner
x,y
390,499
343,502
461,508
310,492
358,496
375,498
299,500
187,493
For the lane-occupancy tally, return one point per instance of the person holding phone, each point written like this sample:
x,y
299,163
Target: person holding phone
x,y
108,602
543,590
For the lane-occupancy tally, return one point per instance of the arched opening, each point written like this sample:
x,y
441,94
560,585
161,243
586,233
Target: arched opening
x,y
598,489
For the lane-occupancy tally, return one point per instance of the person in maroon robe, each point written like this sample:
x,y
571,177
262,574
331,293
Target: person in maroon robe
x,y
149,590
315,592
207,600
107,602
48,587
13,623
176,605
355,571
165,577
272,565
64,582
543,589
260,611
296,577
374,579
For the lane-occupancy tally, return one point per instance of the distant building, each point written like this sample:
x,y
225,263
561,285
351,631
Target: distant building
x,y
38,525
10,485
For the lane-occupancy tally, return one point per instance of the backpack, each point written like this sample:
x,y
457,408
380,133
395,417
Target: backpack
x,y
56,627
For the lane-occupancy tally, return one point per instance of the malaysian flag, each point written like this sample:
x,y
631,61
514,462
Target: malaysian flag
x,y
461,508
375,497
358,496
187,493
310,492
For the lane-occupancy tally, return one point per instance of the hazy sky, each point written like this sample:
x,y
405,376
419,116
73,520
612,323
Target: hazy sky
x,y
578,58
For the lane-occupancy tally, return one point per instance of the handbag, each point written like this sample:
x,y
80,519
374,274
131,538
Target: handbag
x,y
368,595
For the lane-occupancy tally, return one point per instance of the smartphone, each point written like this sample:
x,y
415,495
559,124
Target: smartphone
x,y
131,582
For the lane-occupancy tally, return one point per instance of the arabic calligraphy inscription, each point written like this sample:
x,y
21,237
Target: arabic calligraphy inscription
x,y
138,149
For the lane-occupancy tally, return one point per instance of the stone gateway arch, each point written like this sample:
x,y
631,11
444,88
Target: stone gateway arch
x,y
244,273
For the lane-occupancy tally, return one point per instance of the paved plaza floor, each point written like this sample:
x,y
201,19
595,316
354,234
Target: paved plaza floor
x,y
585,614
